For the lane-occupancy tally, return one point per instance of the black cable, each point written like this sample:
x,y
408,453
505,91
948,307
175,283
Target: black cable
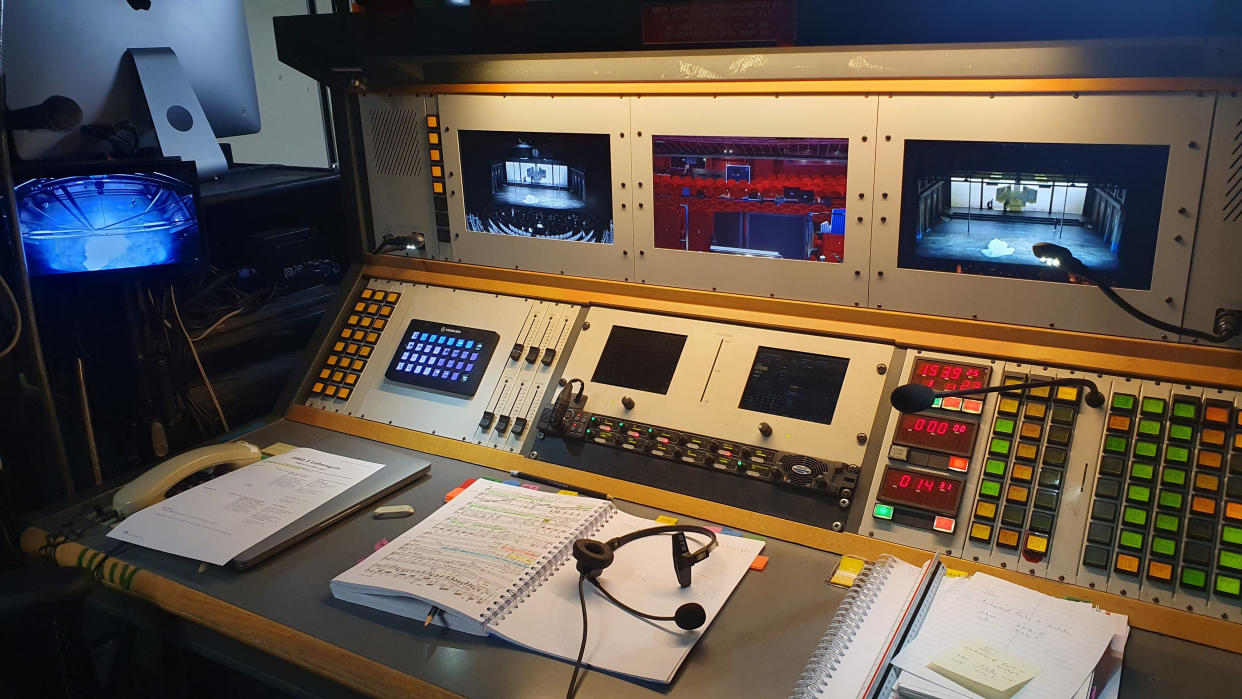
x,y
573,680
1156,322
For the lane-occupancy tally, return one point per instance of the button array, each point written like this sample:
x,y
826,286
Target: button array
x,y
354,344
1023,472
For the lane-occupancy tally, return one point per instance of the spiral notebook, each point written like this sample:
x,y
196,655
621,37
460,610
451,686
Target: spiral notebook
x,y
497,560
865,630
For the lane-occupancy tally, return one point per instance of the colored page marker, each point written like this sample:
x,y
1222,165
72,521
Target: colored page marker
x,y
759,563
665,519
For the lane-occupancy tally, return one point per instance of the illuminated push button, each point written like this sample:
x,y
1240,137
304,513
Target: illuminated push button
x,y
353,320
1127,563
1050,477
433,121
1108,488
1233,488
1228,535
1164,546
372,338
373,308
356,365
343,392
1119,423
1104,511
1013,515
332,360
1173,477
1004,426
1026,451
1041,522
351,349
1138,493
1181,433
359,335
360,307
325,373
1176,455
1095,557
1237,441
1041,392
1185,409
393,297
1059,435
1212,437
999,446
1134,515
1032,430
1123,403
985,510
1008,538
1010,380
980,531
1233,511
1036,544
1100,533
366,294
330,391
1153,406
1228,585
1009,406
346,333
1112,466
1150,428
882,511
990,489
1202,529
1063,415
1146,450
937,401
972,406
386,311
1230,560
1170,500
364,351
994,467
1023,473
1194,578
1017,494
1067,394
1168,523
379,324
1207,482
1142,472
1203,506
943,524
1114,444
1159,571
959,464
1216,413
1055,456
1035,411
317,388
338,376
1045,499
366,321
952,403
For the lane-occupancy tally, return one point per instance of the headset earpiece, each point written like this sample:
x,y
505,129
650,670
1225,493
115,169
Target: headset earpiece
x,y
592,557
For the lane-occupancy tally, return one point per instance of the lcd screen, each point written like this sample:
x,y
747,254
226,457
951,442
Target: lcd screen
x,y
978,207
936,433
643,360
779,198
949,376
797,385
926,492
553,186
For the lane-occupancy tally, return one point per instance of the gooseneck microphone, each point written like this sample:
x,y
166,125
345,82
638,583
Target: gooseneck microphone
x,y
915,397
56,113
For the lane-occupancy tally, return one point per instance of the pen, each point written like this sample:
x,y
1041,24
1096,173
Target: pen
x,y
430,615
563,486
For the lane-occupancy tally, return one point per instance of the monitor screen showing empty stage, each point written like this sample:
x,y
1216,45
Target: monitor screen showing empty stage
x,y
551,186
978,208
644,360
764,197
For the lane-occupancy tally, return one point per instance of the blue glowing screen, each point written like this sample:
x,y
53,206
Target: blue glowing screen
x,y
91,223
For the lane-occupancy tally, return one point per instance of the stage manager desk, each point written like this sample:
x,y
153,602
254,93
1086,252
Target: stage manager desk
x,y
756,647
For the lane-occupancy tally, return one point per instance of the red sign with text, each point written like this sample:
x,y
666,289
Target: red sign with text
x,y
720,22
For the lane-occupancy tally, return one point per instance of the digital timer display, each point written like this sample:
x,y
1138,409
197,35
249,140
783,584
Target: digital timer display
x,y
926,492
948,376
936,433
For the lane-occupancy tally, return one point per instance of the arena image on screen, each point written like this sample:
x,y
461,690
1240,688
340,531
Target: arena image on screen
x,y
553,186
767,197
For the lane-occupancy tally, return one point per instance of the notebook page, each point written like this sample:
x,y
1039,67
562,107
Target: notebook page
x,y
467,554
642,576
1065,639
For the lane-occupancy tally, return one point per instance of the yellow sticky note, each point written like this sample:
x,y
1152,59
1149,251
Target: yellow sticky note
x,y
985,670
665,519
847,570
954,573
277,449
566,492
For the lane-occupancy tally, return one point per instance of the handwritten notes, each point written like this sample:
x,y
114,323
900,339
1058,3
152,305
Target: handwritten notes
x,y
985,670
1065,637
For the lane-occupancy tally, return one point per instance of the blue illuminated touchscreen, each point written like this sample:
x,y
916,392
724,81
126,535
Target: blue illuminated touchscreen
x,y
442,357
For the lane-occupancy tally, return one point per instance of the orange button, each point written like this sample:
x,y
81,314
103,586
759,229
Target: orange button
x,y
358,335
359,307
433,121
338,346
1213,437
1119,423
986,510
366,293
352,349
1032,430
1036,411
317,388
1027,451
379,323
1233,511
351,379
437,187
437,171
1159,571
338,375
386,311
343,394
353,320
364,351
433,138
1203,506
1216,415
434,154
330,391
1036,543
366,321
332,359
372,337
346,333
372,308
1237,441
358,364
1207,482
1210,459
980,531
1127,563
325,373
393,296
1017,493
1022,472
1008,538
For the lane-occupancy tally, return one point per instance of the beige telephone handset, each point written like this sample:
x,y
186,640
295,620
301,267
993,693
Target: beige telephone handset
x,y
151,487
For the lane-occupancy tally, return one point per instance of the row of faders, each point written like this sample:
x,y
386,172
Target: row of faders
x,y
352,348
1015,512
1167,510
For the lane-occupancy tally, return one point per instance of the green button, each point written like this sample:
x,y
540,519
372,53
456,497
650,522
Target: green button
x,y
1185,410
1176,455
1131,540
990,489
994,467
1194,578
1123,402
1231,560
1173,476
1004,426
937,401
1163,546
1136,516
1167,523
1228,586
883,511
1115,444
1231,535
1143,472
1146,450
1000,446
1138,493
1153,406
1182,433
1150,428
1170,500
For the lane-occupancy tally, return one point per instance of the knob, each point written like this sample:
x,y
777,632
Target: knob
x,y
627,402
821,482
765,429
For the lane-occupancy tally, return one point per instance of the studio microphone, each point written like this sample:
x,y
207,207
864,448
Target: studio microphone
x,y
916,397
56,113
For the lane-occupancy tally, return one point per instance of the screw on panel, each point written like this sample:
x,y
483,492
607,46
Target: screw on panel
x,y
864,139
1168,299
837,526
883,219
844,503
861,437
881,369
534,455
1177,238
586,325
1192,144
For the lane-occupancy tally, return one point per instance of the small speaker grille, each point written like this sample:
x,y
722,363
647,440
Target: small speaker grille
x,y
1233,183
398,141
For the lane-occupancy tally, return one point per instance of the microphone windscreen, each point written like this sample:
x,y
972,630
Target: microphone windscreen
x,y
912,397
690,616
62,113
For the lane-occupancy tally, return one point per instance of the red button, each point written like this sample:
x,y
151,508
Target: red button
x,y
971,405
662,440
954,403
944,524
606,428
958,463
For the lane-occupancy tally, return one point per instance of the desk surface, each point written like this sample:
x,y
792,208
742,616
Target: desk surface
x,y
756,647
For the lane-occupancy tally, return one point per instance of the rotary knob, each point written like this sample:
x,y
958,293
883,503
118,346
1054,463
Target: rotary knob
x,y
765,429
627,402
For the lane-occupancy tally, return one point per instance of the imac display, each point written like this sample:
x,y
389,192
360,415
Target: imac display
x,y
978,207
643,360
555,186
780,198
797,385
96,218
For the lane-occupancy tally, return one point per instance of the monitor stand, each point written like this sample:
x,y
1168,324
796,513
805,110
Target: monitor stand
x,y
180,124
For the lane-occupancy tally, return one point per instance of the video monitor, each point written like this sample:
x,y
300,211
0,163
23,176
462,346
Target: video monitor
x,y
778,198
978,207
793,384
644,360
554,186
101,217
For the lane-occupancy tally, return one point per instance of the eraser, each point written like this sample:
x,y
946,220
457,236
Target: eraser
x,y
392,511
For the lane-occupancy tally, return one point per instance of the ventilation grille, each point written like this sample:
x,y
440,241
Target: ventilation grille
x,y
1233,184
802,469
396,141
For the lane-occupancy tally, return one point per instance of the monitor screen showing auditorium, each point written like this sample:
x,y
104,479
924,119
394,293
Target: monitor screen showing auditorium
x,y
979,207
555,186
780,198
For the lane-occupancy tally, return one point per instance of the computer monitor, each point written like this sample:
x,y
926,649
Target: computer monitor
x,y
109,216
77,48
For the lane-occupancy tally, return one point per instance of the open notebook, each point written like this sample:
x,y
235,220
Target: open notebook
x,y
497,560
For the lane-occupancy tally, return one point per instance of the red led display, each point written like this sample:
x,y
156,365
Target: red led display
x,y
936,433
926,492
948,376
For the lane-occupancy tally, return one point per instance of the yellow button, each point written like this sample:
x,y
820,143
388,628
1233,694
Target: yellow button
x,y
437,171
1008,538
359,307
1126,563
338,375
1040,392
386,311
358,364
330,391
435,155
433,121
985,510
353,320
1159,571
366,321
1026,451
343,394
332,359
325,373
1022,472
366,293
379,323
346,333
1203,506
358,335
980,531
1067,393
338,346
1017,494
393,296
317,388
1207,482
437,187
372,308
364,351
352,349
1036,411
1032,430
351,379
1008,406
433,138
1036,543
372,337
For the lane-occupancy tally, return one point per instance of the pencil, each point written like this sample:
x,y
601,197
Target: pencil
x,y
431,615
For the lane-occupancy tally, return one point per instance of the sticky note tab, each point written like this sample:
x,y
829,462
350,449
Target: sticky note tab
x,y
665,519
714,528
466,483
729,532
453,493
277,449
955,573
530,486
847,570
756,537
985,670
512,481
759,563
566,492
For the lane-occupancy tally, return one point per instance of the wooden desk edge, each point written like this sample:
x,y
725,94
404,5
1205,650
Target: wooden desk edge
x,y
303,650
